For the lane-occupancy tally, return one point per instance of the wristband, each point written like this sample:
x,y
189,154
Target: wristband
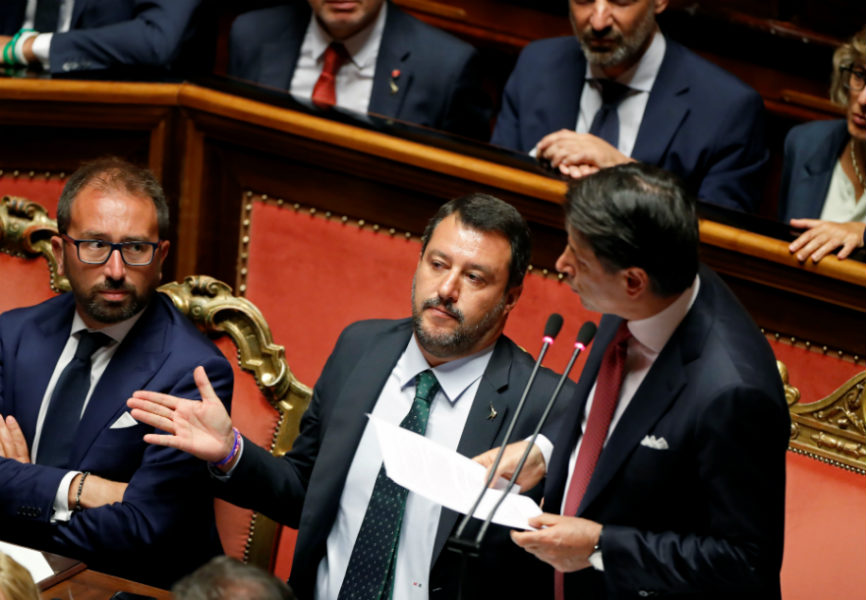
x,y
234,451
80,487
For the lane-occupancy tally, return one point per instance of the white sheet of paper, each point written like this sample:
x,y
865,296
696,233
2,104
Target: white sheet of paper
x,y
446,477
32,560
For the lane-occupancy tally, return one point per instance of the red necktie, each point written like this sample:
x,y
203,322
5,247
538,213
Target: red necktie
x,y
607,386
324,92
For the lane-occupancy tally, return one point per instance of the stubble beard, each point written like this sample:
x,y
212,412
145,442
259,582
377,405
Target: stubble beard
x,y
625,50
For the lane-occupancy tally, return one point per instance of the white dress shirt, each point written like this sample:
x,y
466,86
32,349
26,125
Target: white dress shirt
x,y
99,362
354,83
640,78
42,44
459,381
841,205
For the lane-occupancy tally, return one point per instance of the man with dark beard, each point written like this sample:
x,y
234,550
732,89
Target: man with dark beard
x,y
449,368
76,478
620,91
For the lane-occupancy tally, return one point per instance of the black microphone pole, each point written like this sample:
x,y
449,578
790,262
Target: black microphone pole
x,y
584,337
551,329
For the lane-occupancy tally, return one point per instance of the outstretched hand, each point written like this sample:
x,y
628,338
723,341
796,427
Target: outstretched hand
x,y
203,429
533,469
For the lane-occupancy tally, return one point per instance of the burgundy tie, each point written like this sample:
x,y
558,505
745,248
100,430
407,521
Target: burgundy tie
x,y
325,92
604,403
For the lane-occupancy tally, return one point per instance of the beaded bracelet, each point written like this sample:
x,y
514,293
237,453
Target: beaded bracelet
x,y
234,451
80,487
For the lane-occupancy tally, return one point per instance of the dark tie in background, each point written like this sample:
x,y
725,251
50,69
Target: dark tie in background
x,y
607,386
47,15
606,122
325,91
370,574
67,400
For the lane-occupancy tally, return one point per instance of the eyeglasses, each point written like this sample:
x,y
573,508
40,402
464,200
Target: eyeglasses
x,y
856,77
97,252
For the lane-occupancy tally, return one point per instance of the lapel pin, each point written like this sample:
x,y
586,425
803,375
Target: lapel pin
x,y
395,74
492,414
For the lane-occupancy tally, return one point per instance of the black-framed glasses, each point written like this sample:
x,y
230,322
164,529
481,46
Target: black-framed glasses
x,y
97,252
853,77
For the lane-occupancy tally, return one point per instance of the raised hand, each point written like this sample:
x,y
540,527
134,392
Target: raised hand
x,y
201,428
12,442
532,472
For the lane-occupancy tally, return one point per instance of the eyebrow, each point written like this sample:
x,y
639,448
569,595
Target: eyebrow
x,y
471,266
102,236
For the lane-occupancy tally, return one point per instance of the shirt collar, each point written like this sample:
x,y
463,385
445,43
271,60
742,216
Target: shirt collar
x,y
116,331
655,331
454,376
642,75
363,47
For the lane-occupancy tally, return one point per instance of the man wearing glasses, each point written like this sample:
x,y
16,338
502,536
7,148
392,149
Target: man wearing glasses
x,y
76,477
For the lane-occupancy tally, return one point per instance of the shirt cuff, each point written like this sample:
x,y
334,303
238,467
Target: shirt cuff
x,y
546,447
61,500
42,48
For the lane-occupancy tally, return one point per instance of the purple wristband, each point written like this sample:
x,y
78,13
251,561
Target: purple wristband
x,y
234,451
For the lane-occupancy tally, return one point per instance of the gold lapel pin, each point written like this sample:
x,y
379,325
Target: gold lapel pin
x,y
492,414
393,82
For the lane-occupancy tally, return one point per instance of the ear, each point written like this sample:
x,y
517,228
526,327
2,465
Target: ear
x,y
660,6
511,297
637,282
57,249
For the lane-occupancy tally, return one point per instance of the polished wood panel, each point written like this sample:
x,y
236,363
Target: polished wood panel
x,y
92,585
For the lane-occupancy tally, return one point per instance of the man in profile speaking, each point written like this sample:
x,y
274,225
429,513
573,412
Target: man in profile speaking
x,y
76,478
365,56
448,373
668,469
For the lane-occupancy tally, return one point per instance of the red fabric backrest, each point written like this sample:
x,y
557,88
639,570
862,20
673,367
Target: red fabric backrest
x,y
814,373
25,281
37,189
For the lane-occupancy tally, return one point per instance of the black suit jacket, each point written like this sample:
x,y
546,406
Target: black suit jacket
x,y
439,82
700,122
703,517
303,489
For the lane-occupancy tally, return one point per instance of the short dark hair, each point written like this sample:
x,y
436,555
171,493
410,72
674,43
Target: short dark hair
x,y
638,215
226,578
115,174
486,213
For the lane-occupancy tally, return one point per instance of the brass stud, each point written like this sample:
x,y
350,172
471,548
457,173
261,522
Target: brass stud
x,y
375,228
544,272
32,174
407,235
776,336
361,222
243,288
47,174
824,349
245,240
560,276
328,214
344,218
281,203
296,206
249,193
312,211
15,173
808,344
392,231
62,174
264,196
249,207
244,271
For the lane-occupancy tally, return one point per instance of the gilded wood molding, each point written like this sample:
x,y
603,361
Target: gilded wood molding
x,y
26,231
832,429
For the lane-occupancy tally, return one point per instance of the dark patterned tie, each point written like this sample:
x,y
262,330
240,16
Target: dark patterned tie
x,y
67,400
606,122
607,388
47,15
325,90
370,574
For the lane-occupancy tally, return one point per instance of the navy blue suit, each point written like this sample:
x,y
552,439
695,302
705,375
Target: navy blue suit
x,y
303,488
116,34
164,528
702,518
700,122
440,77
811,153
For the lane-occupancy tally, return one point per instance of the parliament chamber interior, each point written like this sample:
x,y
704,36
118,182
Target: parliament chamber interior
x,y
290,223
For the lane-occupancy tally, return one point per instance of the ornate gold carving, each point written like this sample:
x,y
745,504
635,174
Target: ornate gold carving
x,y
26,231
832,429
210,304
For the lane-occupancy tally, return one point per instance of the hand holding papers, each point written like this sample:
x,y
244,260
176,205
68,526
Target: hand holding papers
x,y
445,477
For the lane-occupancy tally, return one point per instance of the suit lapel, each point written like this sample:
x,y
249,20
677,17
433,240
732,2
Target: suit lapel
x,y
480,432
814,180
285,51
138,358
394,74
565,83
37,359
666,109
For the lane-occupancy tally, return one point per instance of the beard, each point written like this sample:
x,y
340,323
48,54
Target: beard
x,y
463,338
108,312
625,48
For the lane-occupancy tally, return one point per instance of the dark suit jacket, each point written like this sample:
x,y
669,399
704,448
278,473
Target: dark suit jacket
x,y
116,34
703,518
303,489
164,527
700,121
811,153
440,76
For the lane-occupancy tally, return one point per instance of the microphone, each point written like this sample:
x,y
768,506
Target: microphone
x,y
551,330
584,337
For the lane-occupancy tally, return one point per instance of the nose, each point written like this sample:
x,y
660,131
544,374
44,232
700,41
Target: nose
x,y
601,16
114,267
449,286
563,265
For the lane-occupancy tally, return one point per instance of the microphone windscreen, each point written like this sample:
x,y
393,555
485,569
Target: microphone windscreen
x,y
586,333
554,324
